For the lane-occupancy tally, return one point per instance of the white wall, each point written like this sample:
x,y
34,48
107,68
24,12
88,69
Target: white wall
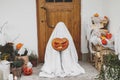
x,y
114,15
88,8
109,8
21,18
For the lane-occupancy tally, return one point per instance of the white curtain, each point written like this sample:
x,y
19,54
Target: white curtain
x,y
64,63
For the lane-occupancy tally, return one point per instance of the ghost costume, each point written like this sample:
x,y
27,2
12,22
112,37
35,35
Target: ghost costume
x,y
64,63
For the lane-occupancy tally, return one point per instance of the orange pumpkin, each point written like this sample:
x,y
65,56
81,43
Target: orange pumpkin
x,y
96,15
60,44
104,41
19,45
102,37
108,35
27,71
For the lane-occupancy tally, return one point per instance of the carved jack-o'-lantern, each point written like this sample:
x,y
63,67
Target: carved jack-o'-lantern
x,y
27,71
60,44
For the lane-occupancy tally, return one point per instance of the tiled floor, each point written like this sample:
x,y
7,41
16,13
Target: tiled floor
x,y
90,74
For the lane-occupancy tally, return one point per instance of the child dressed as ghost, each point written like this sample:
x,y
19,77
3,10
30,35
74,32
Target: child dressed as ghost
x,y
61,63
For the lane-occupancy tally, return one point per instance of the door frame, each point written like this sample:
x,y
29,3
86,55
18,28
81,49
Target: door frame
x,y
38,21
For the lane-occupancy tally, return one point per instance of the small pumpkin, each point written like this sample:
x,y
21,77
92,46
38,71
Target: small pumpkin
x,y
60,44
108,35
96,15
104,41
19,45
102,37
27,71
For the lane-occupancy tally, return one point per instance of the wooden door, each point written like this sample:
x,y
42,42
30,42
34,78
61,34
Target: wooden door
x,y
49,13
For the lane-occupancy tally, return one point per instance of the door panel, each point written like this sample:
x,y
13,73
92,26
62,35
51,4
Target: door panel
x,y
49,13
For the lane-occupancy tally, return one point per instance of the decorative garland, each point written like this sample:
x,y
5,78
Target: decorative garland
x,y
110,68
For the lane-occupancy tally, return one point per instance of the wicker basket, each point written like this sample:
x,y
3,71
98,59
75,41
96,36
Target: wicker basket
x,y
98,58
100,48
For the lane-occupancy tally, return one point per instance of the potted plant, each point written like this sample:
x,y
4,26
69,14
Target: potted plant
x,y
33,59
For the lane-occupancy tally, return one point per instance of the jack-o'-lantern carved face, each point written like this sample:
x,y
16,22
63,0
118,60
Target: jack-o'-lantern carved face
x,y
60,44
27,71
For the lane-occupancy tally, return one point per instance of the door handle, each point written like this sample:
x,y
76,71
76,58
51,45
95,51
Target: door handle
x,y
47,19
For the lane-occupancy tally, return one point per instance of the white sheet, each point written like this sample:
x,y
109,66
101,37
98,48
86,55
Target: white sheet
x,y
5,68
64,63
